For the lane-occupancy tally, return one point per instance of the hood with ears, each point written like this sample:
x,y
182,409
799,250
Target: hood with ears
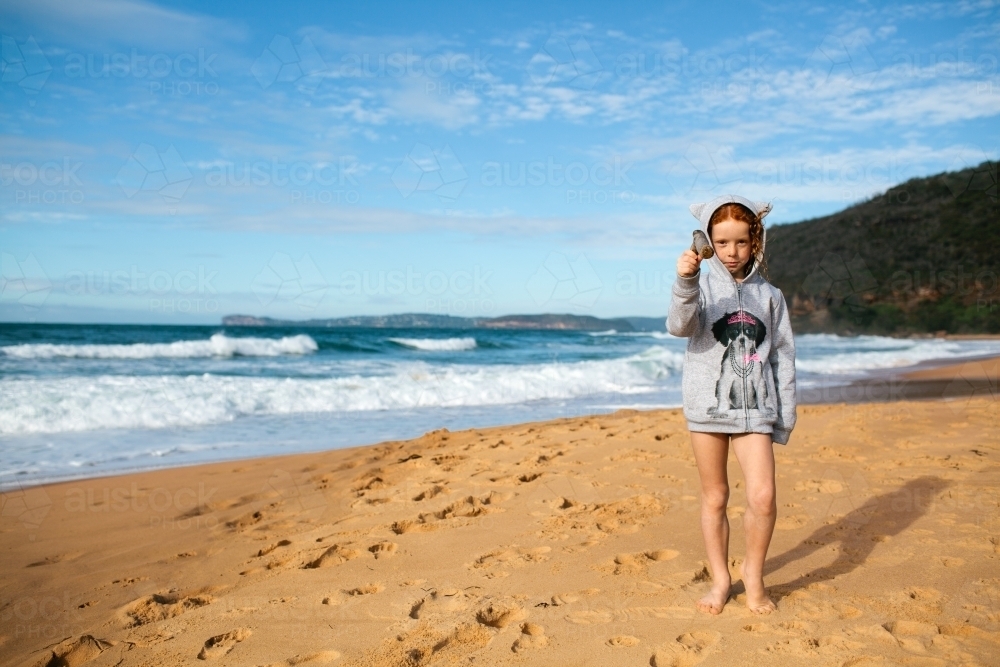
x,y
704,211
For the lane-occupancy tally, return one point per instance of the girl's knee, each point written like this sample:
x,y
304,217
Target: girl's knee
x,y
762,501
716,498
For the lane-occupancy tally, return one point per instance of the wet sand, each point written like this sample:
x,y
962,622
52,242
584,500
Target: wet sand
x,y
929,380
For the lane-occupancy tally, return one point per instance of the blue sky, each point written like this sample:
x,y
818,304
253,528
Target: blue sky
x,y
177,162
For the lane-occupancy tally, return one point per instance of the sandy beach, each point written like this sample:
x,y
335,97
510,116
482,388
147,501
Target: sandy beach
x,y
568,542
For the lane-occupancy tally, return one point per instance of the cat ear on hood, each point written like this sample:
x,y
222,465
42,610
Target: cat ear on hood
x,y
696,209
763,208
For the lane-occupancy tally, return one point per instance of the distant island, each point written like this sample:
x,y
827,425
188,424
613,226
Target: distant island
x,y
547,321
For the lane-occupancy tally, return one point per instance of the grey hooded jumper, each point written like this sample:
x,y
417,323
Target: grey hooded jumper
x,y
739,368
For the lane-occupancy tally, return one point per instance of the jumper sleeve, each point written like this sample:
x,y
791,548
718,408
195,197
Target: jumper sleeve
x,y
684,318
782,361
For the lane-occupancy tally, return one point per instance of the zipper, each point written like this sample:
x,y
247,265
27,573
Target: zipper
x,y
746,410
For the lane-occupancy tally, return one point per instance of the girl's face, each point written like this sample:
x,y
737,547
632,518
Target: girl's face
x,y
731,239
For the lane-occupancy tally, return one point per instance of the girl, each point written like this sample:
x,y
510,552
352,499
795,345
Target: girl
x,y
739,384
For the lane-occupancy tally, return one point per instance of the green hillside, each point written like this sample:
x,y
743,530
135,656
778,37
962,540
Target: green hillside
x,y
922,257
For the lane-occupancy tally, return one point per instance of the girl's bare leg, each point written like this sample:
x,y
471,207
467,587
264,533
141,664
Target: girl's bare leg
x,y
755,453
711,453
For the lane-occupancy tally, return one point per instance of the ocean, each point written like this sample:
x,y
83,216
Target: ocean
x,y
92,400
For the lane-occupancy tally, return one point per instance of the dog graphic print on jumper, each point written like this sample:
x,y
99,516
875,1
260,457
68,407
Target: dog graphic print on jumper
x,y
739,365
741,379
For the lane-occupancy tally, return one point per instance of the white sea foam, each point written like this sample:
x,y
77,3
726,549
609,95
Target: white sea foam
x,y
828,354
53,405
437,344
660,335
219,345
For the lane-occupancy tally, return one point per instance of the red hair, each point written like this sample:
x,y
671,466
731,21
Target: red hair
x,y
740,213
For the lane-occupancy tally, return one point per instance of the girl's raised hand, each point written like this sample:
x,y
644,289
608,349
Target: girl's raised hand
x,y
688,263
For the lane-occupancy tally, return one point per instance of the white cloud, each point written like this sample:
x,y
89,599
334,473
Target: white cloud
x,y
102,23
423,99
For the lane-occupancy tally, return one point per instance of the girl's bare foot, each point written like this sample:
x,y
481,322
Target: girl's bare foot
x,y
757,599
715,600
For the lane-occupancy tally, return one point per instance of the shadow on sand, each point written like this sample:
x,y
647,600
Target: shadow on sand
x,y
858,533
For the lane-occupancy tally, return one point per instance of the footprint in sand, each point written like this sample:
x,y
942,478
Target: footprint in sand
x,y
636,563
757,628
912,636
251,519
76,652
432,492
383,549
448,462
627,515
268,549
220,645
623,641
795,627
223,505
562,599
532,637
58,558
500,613
408,526
846,611
322,656
441,602
367,589
372,481
470,506
161,606
687,650
425,645
498,562
335,555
